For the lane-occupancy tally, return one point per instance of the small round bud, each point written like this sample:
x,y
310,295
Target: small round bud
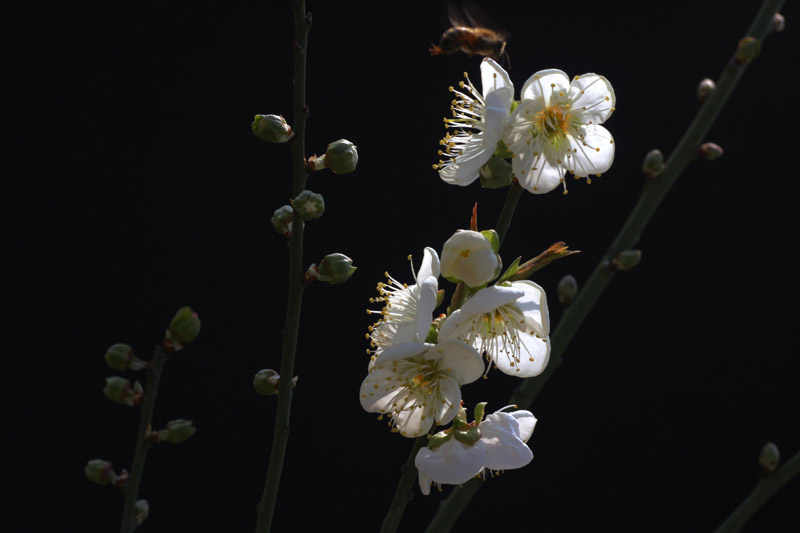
x,y
119,390
710,151
120,357
309,205
271,128
335,268
627,260
179,430
266,381
341,156
748,49
141,510
495,174
769,458
705,88
567,289
653,163
778,23
282,220
185,326
99,471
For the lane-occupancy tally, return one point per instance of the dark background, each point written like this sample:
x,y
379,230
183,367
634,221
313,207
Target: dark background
x,y
136,187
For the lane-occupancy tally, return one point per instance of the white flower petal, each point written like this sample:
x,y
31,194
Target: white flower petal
x,y
400,351
591,153
430,264
375,396
452,463
449,401
544,174
527,422
544,83
424,481
534,354
593,98
490,298
414,421
428,292
533,304
463,170
504,448
494,78
462,362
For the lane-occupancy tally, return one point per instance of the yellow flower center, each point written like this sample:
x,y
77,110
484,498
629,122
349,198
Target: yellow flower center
x,y
553,122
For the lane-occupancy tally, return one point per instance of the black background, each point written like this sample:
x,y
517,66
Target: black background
x,y
136,187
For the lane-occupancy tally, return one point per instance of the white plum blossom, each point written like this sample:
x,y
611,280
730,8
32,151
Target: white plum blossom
x,y
406,315
468,256
484,116
510,323
418,383
502,446
556,128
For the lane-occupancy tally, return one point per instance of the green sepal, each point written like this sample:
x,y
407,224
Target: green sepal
x,y
438,439
492,236
502,151
510,271
479,412
433,335
469,437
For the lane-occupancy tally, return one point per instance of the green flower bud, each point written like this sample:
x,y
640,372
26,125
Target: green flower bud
x,y
653,163
567,289
710,151
179,430
266,382
184,327
141,510
119,390
705,88
282,220
99,471
748,49
778,23
309,205
341,156
120,357
335,268
271,128
495,174
769,458
627,260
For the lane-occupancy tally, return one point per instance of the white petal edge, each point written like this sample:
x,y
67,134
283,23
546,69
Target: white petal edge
x,y
543,83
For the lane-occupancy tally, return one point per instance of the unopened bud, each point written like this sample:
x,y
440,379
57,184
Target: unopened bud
x,y
271,128
495,174
705,88
141,509
627,260
748,49
335,268
282,220
710,151
99,471
769,458
778,23
119,390
179,430
266,382
184,328
309,205
567,289
341,156
120,357
653,163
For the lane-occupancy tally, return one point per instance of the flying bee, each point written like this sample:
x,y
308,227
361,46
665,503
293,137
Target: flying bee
x,y
470,35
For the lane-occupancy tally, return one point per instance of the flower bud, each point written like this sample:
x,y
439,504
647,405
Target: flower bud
x,y
282,220
341,156
335,268
653,163
778,23
627,260
748,49
769,458
120,357
567,289
266,382
271,128
710,151
705,88
179,430
99,471
495,174
309,205
141,509
470,257
119,390
184,327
